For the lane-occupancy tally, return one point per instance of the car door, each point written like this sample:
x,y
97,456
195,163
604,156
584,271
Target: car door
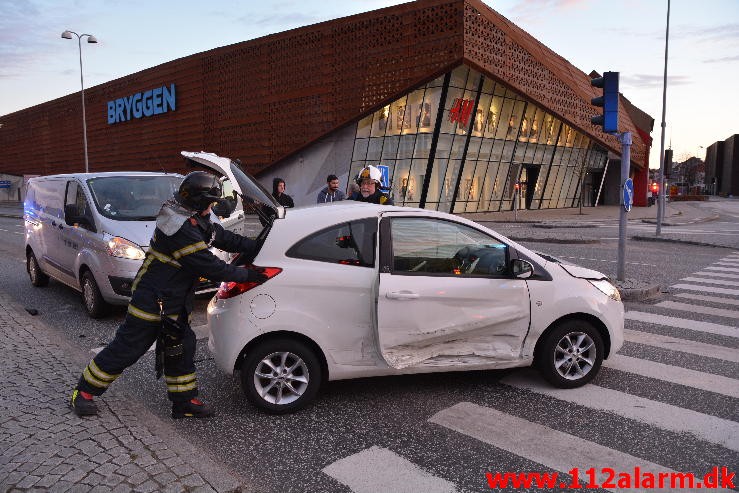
x,y
51,195
72,237
446,295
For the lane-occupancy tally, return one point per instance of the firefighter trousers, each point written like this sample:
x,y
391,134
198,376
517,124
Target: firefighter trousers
x,y
132,340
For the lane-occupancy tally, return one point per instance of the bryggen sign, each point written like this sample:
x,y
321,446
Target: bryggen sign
x,y
142,104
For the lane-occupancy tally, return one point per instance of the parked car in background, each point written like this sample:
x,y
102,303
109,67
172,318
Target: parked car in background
x,y
360,290
91,231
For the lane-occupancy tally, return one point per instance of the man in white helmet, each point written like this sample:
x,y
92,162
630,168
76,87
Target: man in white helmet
x,y
369,181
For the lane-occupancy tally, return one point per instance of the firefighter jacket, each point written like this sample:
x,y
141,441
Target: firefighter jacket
x,y
178,257
376,198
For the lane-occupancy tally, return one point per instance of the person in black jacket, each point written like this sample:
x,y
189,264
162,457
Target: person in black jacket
x,y
162,298
278,192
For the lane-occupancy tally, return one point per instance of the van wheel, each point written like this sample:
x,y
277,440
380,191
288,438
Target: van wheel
x,y
571,354
38,278
280,376
94,302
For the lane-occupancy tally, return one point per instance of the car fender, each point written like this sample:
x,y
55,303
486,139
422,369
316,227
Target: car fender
x,y
553,301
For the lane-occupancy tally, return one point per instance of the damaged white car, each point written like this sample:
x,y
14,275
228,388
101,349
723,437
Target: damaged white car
x,y
359,290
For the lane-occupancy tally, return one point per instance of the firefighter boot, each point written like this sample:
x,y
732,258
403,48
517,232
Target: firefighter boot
x,y
82,404
194,408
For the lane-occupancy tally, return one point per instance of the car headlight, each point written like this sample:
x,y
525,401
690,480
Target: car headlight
x,y
606,288
121,247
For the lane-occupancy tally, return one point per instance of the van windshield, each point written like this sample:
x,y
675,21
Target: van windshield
x,y
132,198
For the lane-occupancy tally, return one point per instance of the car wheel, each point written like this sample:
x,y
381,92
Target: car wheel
x,y
571,354
38,278
281,376
94,302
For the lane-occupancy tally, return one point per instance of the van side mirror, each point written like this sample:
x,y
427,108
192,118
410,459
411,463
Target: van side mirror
x,y
71,218
522,269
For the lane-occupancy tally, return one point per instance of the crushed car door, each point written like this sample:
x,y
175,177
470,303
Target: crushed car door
x,y
446,295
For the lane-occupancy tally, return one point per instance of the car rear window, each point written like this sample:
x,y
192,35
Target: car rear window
x,y
350,243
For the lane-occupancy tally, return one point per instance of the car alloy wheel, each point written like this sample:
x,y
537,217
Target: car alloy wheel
x,y
572,354
280,375
38,278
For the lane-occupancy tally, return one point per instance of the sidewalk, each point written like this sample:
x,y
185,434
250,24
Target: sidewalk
x,y
45,447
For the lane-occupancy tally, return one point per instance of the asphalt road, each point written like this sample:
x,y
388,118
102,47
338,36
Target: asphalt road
x,y
670,399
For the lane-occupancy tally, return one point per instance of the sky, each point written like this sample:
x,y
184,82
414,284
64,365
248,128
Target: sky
x,y
626,36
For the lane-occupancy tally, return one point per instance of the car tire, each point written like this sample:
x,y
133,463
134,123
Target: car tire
x,y
571,354
281,376
38,278
95,305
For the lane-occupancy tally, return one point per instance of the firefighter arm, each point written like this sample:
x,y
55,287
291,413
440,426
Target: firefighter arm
x,y
232,242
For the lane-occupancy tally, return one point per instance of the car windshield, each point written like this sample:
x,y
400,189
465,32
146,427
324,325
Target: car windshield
x,y
132,198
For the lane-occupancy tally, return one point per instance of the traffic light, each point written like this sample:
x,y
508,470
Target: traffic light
x,y
608,101
655,187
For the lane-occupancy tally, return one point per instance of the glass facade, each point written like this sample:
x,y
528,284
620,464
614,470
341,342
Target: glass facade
x,y
462,142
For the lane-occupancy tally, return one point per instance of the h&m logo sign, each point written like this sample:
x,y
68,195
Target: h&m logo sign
x,y
148,103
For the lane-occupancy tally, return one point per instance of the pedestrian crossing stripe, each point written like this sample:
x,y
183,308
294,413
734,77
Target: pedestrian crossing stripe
x,y
723,269
664,416
683,323
682,345
674,374
378,469
722,282
706,289
716,274
710,299
706,310
553,449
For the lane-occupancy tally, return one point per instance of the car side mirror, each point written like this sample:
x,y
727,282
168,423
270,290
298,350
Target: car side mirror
x,y
522,269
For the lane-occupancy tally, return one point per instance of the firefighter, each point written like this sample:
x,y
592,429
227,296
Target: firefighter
x,y
162,299
369,181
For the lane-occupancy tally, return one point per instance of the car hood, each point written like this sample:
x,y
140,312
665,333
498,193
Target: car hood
x,y
243,183
138,232
582,272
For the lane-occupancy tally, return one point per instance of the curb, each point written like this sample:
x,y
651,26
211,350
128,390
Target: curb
x,y
677,240
216,475
554,240
705,219
639,294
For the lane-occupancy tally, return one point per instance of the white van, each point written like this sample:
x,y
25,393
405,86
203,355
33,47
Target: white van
x,y
91,231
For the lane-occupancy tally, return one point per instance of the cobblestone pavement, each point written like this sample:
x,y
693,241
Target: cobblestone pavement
x,y
45,447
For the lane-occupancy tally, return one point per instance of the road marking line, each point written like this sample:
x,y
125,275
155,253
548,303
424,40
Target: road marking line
x,y
675,374
706,310
539,443
706,289
722,282
683,323
664,416
201,332
682,345
379,469
713,299
717,274
723,269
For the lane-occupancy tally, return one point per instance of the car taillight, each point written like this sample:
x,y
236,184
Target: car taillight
x,y
231,289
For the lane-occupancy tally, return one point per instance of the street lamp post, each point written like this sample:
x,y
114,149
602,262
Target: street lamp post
x,y
90,39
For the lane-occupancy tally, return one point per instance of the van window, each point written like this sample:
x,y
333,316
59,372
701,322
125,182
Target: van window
x,y
132,198
76,197
50,197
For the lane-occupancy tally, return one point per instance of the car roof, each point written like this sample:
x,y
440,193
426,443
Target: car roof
x,y
84,176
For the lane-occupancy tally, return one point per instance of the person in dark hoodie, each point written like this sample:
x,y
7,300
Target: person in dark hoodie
x,y
278,192
330,192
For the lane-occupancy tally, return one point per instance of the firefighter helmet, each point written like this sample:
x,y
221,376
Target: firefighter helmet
x,y
371,172
199,190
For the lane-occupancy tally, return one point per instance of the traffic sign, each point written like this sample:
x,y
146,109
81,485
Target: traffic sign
x,y
4,183
628,194
385,170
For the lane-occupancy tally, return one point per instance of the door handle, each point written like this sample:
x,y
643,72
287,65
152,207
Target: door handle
x,y
402,295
